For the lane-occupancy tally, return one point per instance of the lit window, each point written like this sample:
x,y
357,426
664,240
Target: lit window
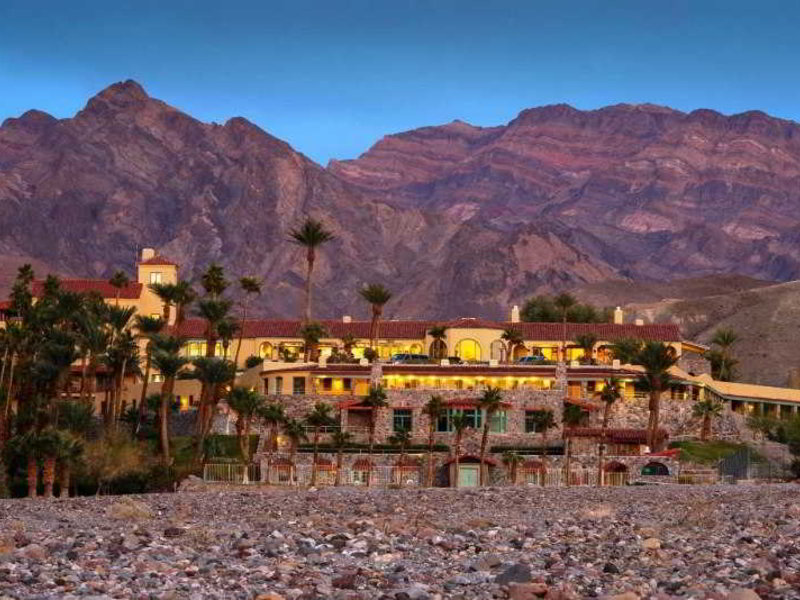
x,y
265,350
155,277
468,350
155,315
156,378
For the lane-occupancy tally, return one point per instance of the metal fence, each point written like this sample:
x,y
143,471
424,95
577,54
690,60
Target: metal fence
x,y
232,473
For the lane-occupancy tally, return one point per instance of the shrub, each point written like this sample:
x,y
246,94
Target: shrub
x,y
116,458
252,361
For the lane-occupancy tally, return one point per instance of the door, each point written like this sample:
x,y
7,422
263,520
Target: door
x,y
468,475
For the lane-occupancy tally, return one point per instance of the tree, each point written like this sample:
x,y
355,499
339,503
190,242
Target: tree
x,y
513,338
118,281
348,342
166,292
169,362
401,438
433,409
512,460
311,234
212,373
459,424
545,421
438,347
625,350
563,302
215,312
340,439
377,296
183,295
251,286
226,329
312,333
706,410
295,431
375,400
723,364
586,341
319,417
48,445
609,395
247,404
70,453
273,415
542,309
490,402
571,416
657,359
213,281
146,328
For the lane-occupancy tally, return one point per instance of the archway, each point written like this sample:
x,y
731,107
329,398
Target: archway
x,y
655,468
615,473
265,350
468,350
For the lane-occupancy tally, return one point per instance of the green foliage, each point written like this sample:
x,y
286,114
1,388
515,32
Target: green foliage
x,y
252,361
625,350
310,234
545,309
709,452
375,294
544,420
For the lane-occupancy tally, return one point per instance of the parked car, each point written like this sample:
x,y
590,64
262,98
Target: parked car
x,y
409,359
454,360
531,360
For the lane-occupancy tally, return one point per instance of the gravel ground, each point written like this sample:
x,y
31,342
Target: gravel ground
x,y
734,542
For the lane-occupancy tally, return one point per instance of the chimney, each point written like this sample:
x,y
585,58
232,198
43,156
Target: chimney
x,y
618,316
148,253
639,322
347,319
515,314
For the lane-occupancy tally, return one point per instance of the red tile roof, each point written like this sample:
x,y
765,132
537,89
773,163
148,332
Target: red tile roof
x,y
615,436
158,260
132,291
5,304
416,330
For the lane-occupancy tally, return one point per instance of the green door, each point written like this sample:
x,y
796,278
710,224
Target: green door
x,y
468,475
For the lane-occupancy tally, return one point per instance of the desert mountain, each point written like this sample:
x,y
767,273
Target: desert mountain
x,y
458,220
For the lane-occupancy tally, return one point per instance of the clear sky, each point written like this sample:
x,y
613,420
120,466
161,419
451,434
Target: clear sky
x,y
331,77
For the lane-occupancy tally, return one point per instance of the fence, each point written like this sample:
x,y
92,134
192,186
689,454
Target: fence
x,y
232,473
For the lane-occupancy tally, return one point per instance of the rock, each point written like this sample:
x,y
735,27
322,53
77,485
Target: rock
x,y
610,567
34,552
624,596
651,543
742,594
269,596
172,532
516,573
527,591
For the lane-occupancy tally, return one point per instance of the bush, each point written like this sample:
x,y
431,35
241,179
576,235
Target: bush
x,y
795,468
116,458
252,361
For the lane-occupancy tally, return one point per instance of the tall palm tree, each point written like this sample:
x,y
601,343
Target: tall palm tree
x,y
227,329
438,333
377,296
312,332
625,350
611,393
375,400
213,311
49,445
512,460
401,438
70,453
251,286
213,280
513,338
657,359
169,362
586,342
722,360
311,234
146,328
295,431
166,292
340,440
319,417
572,416
459,424
118,281
706,410
213,373
545,421
348,341
564,302
490,402
273,414
433,409
183,295
247,404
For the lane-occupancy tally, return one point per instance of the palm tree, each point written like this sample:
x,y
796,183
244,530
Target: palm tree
x,y
251,286
723,364
707,410
572,416
586,342
226,329
511,460
146,328
319,417
433,409
564,302
490,402
48,443
312,332
513,338
247,404
377,296
348,341
626,349
438,347
459,424
169,363
166,292
610,394
95,338
212,373
657,359
545,421
375,400
273,415
214,311
119,280
213,280
401,438
182,297
311,235
340,439
69,457
296,432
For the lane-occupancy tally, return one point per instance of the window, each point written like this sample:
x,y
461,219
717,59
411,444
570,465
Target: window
x,y
499,422
155,277
196,348
327,384
265,350
468,350
156,315
532,419
474,417
401,419
156,378
279,385
298,385
347,383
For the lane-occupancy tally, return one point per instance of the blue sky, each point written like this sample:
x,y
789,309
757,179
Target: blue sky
x,y
332,77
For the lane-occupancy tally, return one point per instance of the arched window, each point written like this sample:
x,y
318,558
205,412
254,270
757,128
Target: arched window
x,y
497,351
265,350
415,349
655,468
468,350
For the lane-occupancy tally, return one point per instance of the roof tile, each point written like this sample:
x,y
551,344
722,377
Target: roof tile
x,y
132,291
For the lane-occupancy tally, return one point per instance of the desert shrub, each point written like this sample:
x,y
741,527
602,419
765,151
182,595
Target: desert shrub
x,y
252,361
116,463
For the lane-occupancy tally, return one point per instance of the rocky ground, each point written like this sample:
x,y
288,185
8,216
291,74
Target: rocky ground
x,y
733,542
